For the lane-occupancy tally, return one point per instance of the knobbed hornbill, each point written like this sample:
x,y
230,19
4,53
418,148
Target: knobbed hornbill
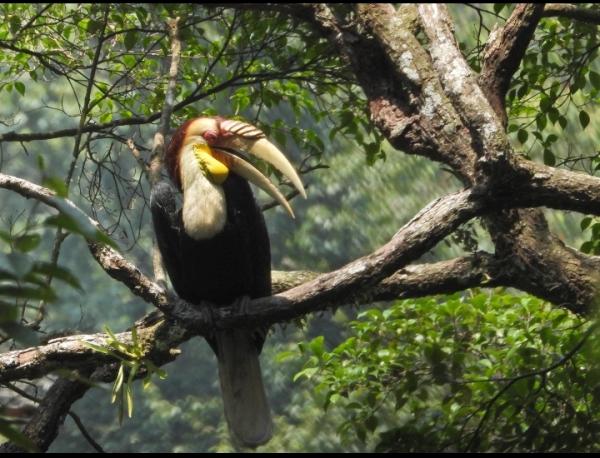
x,y
216,248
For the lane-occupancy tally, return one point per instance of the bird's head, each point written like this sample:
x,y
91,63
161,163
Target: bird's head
x,y
219,145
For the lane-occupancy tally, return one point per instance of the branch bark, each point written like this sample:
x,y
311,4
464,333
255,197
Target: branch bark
x,y
505,50
479,269
426,100
572,11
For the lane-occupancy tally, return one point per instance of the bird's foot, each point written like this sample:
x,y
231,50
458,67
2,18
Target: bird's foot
x,y
242,305
208,319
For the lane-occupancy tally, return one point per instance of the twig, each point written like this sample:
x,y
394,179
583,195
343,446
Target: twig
x,y
85,433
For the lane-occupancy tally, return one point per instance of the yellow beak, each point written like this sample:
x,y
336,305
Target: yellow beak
x,y
215,170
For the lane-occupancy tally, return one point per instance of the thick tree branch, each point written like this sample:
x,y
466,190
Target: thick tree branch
x,y
572,11
479,269
520,235
460,83
505,50
432,224
538,185
416,280
548,269
429,126
71,352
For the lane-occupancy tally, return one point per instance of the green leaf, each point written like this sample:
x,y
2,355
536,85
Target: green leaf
x,y
563,122
12,434
308,373
117,386
549,158
97,348
371,423
14,23
522,136
498,7
586,247
22,334
594,79
129,60
585,222
317,345
58,272
545,103
84,23
584,118
28,292
129,397
74,220
129,388
21,264
541,121
27,242
285,355
20,87
93,26
130,40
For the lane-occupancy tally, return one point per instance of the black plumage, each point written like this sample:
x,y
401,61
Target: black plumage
x,y
234,263
239,254
228,258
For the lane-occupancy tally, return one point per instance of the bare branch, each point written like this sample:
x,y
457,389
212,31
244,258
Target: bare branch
x,y
479,269
340,286
505,50
538,185
84,432
460,84
572,11
417,280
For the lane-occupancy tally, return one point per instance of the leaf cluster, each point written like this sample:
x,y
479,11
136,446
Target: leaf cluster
x,y
459,373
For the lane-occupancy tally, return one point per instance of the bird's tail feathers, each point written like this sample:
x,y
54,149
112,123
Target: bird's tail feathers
x,y
244,399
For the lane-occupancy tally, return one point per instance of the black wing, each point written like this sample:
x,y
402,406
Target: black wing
x,y
236,262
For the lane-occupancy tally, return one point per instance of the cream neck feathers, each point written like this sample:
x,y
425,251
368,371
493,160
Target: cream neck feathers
x,y
204,206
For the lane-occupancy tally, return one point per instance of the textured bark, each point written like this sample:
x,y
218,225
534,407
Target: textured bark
x,y
160,336
426,100
572,11
504,53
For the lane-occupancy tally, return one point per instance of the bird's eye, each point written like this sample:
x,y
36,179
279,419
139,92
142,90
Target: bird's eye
x,y
210,136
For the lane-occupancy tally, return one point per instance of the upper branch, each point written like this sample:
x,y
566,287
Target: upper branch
x,y
504,51
460,84
573,12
